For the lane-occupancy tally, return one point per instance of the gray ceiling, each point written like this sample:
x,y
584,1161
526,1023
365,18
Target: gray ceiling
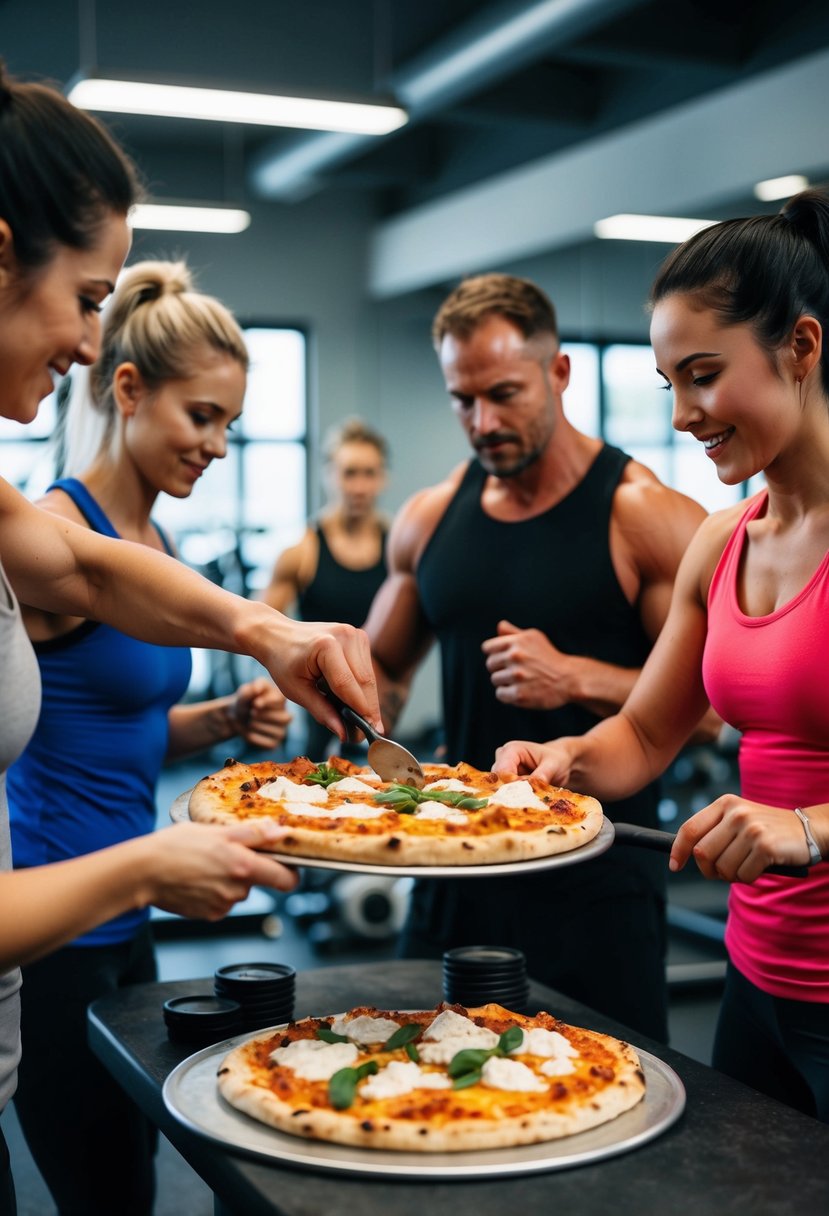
x,y
550,78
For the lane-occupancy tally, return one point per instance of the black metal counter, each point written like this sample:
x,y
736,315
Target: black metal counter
x,y
733,1151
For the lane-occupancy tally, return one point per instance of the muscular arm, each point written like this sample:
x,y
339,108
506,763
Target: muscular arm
x,y
398,632
60,567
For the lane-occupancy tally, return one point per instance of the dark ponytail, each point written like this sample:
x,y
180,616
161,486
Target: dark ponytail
x,y
765,271
60,172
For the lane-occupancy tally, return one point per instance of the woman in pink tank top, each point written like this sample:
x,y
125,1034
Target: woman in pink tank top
x,y
740,314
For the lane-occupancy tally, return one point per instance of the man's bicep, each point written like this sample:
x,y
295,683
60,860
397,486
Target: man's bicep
x,y
679,519
397,628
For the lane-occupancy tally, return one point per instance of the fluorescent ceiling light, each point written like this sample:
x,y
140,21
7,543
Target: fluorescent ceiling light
x,y
222,105
173,217
780,187
668,228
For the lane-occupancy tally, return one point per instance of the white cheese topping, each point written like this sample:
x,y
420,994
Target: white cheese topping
x,y
314,1060
450,783
399,1078
540,1042
451,1033
558,1066
450,1024
282,789
512,1075
348,810
351,785
437,810
364,1029
517,794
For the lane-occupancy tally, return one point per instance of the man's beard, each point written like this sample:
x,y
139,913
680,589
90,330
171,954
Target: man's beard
x,y
510,469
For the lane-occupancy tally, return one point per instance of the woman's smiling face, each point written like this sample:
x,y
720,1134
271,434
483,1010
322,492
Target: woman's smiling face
x,y
739,401
49,317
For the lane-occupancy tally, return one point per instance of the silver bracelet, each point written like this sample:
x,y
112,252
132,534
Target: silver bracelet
x,y
814,851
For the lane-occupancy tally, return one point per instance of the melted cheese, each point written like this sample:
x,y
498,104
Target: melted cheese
x,y
518,795
540,1042
450,783
364,1029
437,810
351,785
347,810
399,1078
314,1060
498,1073
282,789
451,1033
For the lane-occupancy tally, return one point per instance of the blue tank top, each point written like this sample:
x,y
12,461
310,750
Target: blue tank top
x,y
87,778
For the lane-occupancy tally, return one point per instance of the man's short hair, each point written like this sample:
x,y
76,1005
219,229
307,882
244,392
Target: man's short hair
x,y
503,295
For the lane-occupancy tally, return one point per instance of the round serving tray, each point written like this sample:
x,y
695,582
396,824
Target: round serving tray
x,y
190,1094
179,813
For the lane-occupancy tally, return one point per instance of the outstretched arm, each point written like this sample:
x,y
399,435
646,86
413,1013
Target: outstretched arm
x,y
62,567
191,869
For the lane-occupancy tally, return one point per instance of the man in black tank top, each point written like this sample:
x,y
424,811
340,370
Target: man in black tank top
x,y
544,568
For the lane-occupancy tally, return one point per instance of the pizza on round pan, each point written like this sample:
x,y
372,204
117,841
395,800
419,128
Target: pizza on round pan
x,y
449,1079
343,812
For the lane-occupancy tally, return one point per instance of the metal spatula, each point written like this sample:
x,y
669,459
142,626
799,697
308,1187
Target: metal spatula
x,y
390,760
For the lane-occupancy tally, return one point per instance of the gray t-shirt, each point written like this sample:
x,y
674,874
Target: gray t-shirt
x,y
19,708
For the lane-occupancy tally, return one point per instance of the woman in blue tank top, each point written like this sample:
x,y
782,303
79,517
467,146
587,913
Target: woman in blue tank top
x,y
169,383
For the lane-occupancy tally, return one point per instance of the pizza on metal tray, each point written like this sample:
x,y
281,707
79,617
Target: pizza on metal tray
x,y
449,1079
342,812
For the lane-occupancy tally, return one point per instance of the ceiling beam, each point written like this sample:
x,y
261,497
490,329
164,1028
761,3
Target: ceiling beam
x,y
689,159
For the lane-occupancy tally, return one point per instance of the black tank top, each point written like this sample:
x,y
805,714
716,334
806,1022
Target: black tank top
x,y
553,572
337,593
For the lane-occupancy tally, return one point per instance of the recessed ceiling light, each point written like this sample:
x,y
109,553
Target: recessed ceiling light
x,y
178,217
780,187
224,105
670,229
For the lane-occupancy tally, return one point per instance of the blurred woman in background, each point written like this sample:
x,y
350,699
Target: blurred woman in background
x,y
340,563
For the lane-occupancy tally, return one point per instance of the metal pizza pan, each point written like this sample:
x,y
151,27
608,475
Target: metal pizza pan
x,y
601,842
190,1094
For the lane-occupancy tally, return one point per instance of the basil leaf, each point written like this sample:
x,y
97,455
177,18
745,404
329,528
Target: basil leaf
x,y
510,1039
469,1059
342,1088
413,1053
323,774
468,1078
328,1036
402,1036
472,804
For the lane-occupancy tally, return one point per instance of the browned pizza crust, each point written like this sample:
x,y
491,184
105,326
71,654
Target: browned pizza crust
x,y
608,1081
492,835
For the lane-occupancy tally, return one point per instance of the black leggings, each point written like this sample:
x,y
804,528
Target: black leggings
x,y
778,1046
89,1140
